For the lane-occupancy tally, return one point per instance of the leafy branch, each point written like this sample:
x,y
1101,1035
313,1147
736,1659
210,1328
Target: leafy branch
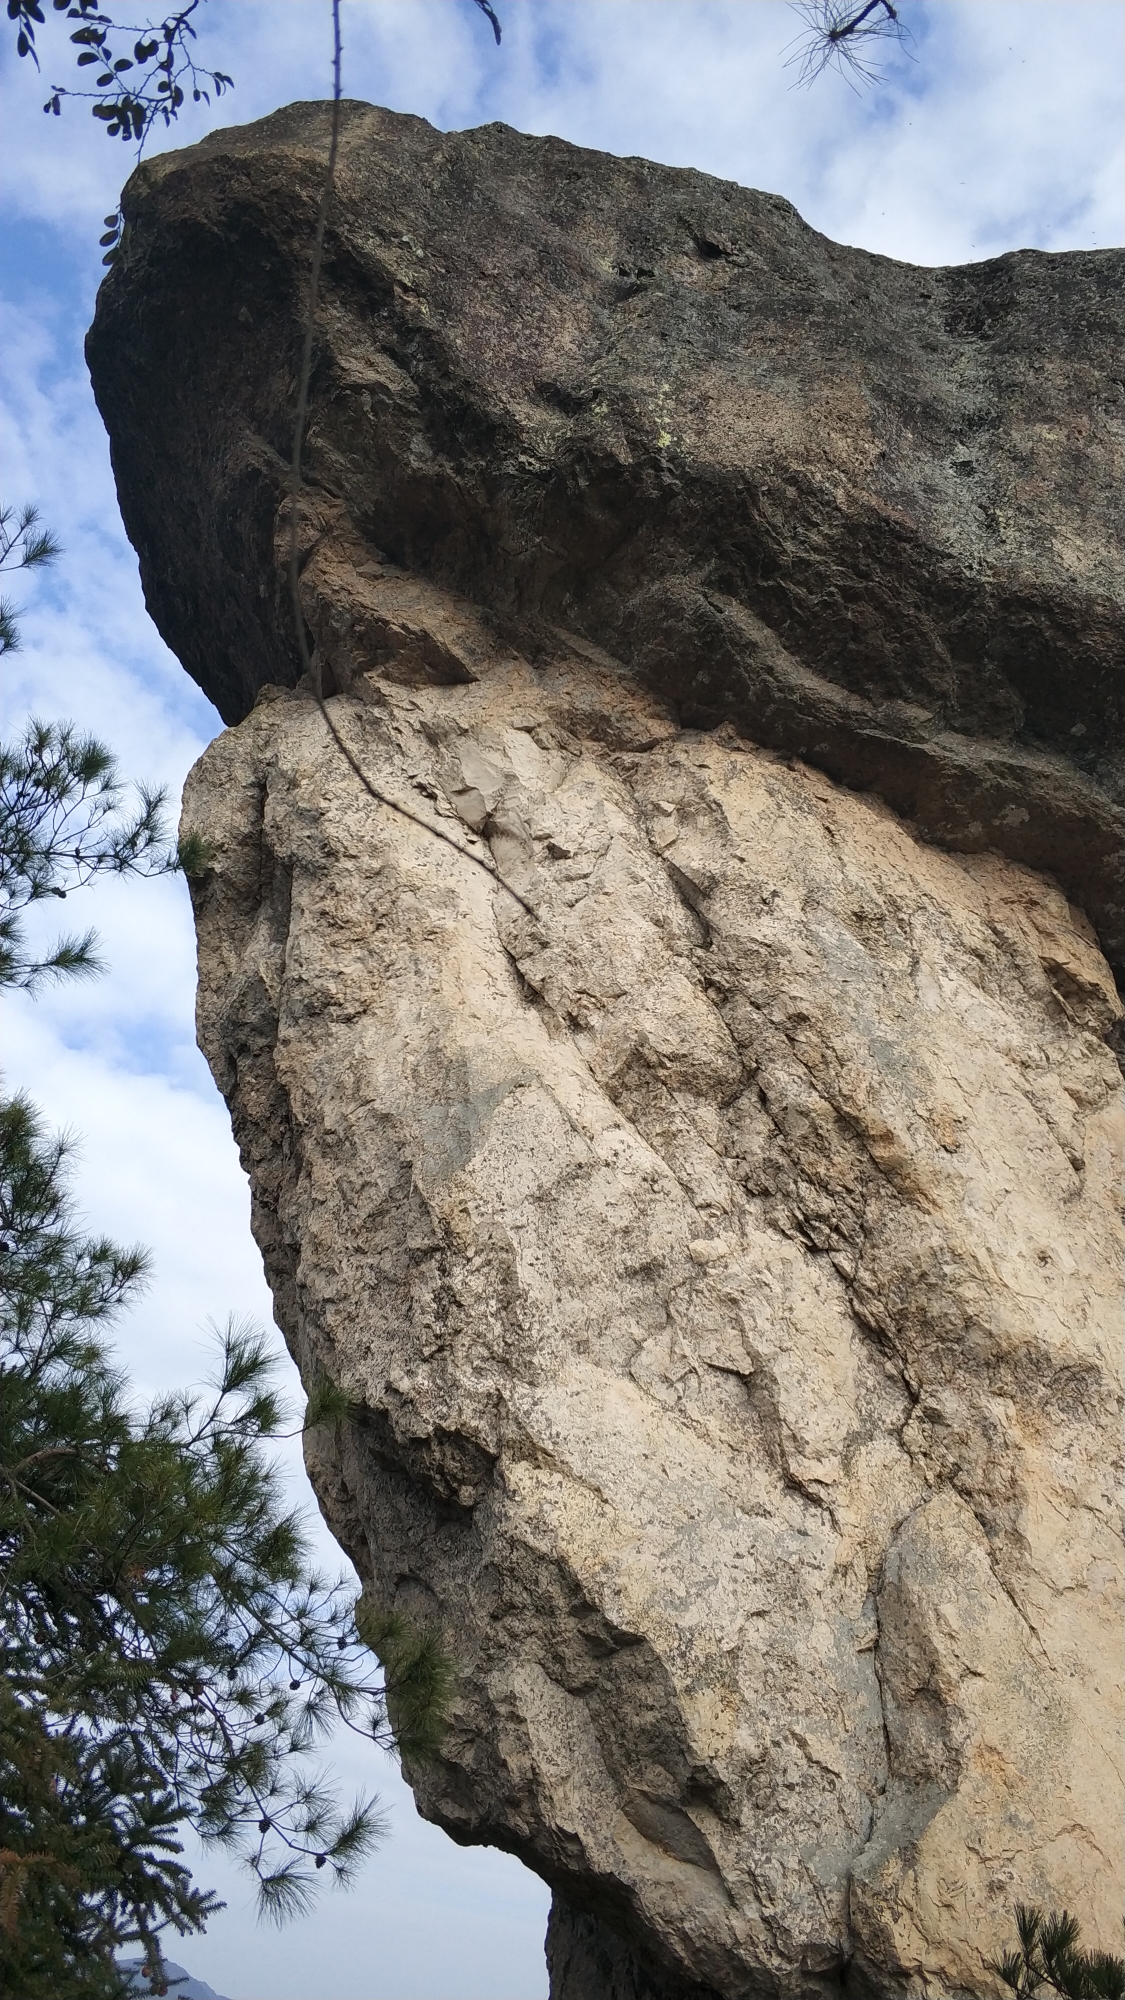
x,y
148,81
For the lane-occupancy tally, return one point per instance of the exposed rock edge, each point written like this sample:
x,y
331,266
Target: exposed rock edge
x,y
870,513
724,1257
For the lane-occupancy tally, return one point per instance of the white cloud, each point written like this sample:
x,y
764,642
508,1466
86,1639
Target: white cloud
x,y
426,1919
1005,131
156,1163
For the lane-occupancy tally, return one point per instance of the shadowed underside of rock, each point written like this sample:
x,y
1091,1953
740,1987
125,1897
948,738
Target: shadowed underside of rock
x,y
870,513
718,1236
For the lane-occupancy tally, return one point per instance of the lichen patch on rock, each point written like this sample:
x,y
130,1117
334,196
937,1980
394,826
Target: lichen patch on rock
x,y
700,1168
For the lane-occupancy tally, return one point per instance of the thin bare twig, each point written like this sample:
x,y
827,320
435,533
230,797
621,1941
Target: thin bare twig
x,y
838,34
297,486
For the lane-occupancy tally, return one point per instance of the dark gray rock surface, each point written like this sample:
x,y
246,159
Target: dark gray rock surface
x,y
587,1960
622,487
869,512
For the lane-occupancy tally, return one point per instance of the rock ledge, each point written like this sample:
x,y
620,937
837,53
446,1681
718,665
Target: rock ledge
x,y
718,1237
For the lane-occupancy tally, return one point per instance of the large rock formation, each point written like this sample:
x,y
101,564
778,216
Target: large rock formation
x,y
699,1163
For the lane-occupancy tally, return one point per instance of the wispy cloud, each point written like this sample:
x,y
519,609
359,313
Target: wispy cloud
x,y
1004,130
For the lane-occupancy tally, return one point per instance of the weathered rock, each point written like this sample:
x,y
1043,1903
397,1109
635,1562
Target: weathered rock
x,y
726,1262
716,1226
869,512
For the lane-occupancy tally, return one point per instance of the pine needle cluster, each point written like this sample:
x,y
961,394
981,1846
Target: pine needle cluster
x,y
1050,1959
169,1654
64,822
167,1651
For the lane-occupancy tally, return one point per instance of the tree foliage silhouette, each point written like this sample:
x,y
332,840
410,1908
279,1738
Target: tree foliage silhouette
x,y
1050,1959
169,1653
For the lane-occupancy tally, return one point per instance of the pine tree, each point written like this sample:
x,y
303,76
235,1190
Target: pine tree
x,y
1050,1959
169,1654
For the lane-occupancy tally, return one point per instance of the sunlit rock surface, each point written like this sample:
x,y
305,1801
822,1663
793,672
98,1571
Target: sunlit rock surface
x,y
700,1167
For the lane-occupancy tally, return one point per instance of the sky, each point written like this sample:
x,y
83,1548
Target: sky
x,y
999,127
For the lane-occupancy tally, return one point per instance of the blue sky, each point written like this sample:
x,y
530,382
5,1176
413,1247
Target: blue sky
x,y
1004,130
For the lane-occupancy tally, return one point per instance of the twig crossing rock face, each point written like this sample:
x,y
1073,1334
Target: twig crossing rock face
x,y
870,514
715,1236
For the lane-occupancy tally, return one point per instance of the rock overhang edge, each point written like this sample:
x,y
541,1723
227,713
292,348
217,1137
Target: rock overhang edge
x,y
724,1263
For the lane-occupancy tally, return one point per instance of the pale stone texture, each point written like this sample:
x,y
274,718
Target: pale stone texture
x,y
725,1260
870,513
705,1189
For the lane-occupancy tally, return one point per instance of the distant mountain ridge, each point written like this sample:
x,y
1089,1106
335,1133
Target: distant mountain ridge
x,y
182,1986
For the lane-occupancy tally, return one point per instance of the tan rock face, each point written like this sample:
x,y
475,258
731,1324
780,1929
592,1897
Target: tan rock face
x,y
702,1176
869,513
725,1260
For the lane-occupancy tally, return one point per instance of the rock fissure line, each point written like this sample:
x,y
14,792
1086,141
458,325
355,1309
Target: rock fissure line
x,y
311,671
774,1319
